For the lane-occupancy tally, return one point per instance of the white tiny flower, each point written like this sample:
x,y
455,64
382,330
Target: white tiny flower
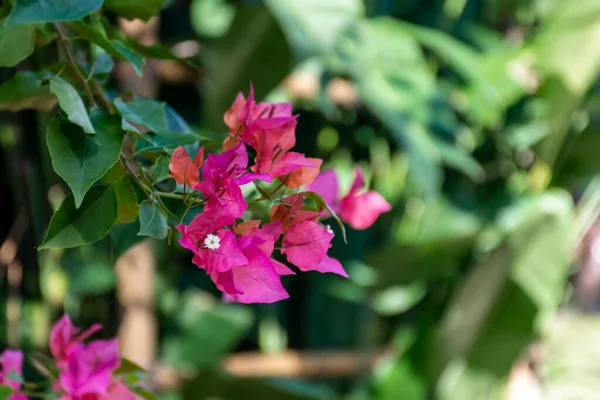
x,y
212,242
328,228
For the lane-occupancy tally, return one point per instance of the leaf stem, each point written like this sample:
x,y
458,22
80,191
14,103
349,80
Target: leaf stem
x,y
71,61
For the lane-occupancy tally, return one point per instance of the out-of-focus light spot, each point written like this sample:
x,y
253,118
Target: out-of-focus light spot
x,y
328,139
186,49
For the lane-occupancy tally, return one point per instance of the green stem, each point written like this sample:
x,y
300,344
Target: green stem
x,y
71,61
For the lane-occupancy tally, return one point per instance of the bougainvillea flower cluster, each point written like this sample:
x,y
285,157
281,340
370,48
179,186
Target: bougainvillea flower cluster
x,y
237,254
86,371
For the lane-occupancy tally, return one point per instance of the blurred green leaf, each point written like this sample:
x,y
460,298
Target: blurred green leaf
x,y
73,227
208,333
313,26
398,299
16,43
153,221
5,392
71,103
395,379
24,91
30,11
131,9
93,279
211,18
82,159
211,384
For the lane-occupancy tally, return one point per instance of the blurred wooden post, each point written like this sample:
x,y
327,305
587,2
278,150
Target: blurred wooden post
x,y
136,268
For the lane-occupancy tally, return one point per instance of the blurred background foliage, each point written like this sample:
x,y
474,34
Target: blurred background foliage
x,y
479,120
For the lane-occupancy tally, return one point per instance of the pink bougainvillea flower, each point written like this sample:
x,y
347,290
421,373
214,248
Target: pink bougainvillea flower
x,y
270,234
183,169
11,361
89,368
291,212
64,334
222,174
215,249
244,114
255,282
305,245
360,208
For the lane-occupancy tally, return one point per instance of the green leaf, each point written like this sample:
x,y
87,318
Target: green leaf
x,y
153,222
82,159
167,141
131,9
5,392
313,26
95,278
254,50
30,11
323,205
148,113
114,47
72,227
126,201
129,367
160,170
124,236
71,103
16,43
24,91
103,63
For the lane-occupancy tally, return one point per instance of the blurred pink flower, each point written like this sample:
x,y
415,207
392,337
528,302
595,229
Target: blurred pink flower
x,y
359,208
12,361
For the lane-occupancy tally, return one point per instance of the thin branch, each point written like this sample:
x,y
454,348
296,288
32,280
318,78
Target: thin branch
x,y
71,61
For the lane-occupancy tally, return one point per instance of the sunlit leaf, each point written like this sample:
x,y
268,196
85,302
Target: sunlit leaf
x,y
71,103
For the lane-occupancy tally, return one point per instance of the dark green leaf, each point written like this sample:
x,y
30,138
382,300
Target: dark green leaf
x,y
82,159
29,11
254,50
160,170
167,141
126,201
24,91
71,103
153,222
124,236
16,43
73,227
148,113
131,9
5,392
114,47
323,205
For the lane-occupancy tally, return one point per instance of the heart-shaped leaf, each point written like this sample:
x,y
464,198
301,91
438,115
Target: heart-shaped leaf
x,y
71,103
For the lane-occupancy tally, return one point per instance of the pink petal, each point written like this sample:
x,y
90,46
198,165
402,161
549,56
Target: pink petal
x,y
359,181
230,198
332,265
251,177
281,268
361,211
305,245
258,280
226,257
326,185
64,334
224,282
289,162
182,168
